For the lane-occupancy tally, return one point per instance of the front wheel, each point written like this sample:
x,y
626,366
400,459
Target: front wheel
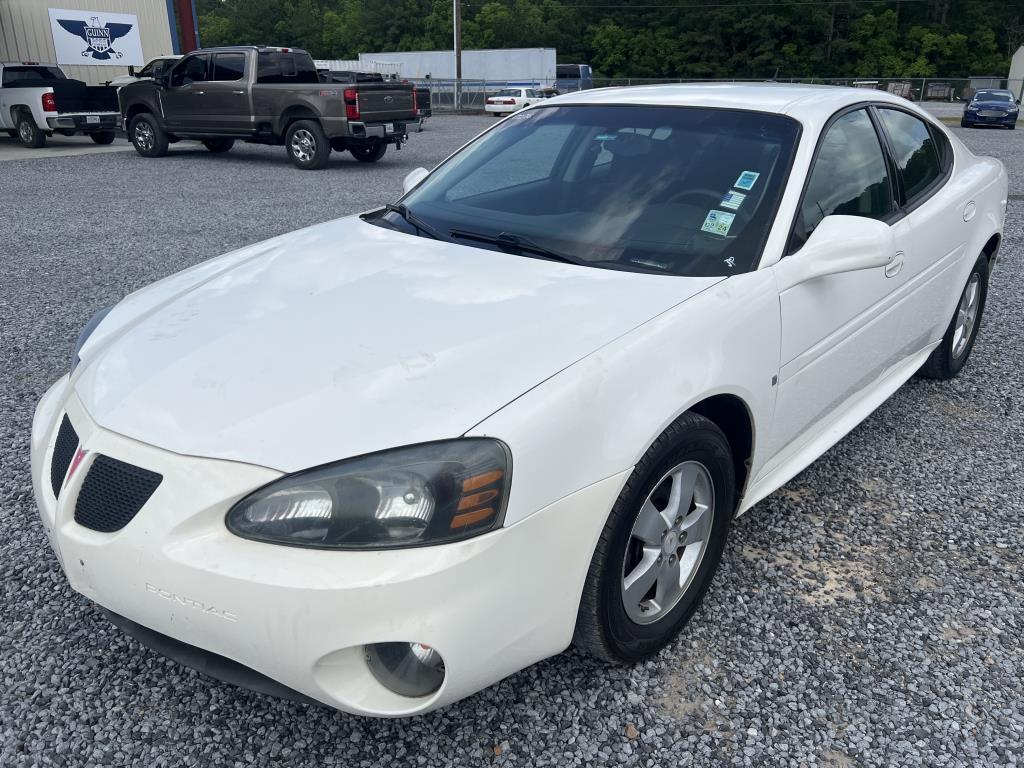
x,y
217,146
102,137
307,145
661,545
28,132
148,138
949,357
369,154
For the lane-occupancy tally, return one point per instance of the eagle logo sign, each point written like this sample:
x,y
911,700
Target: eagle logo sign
x,y
99,40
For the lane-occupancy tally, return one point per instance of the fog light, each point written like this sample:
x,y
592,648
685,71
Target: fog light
x,y
408,669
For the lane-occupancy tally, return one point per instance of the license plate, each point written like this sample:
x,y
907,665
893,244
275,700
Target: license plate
x,y
92,118
389,127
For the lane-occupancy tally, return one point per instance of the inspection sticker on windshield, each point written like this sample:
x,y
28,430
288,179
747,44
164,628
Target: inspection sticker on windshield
x,y
732,200
718,223
746,180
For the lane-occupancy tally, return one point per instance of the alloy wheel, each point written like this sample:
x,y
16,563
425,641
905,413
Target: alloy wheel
x,y
668,542
966,315
303,145
26,132
144,137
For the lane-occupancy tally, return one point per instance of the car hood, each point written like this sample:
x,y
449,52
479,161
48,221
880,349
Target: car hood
x,y
348,338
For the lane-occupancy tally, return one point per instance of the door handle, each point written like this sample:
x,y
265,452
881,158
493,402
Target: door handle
x,y
893,267
198,93
239,93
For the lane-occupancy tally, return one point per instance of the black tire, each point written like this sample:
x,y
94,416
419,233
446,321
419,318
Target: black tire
x,y
307,145
371,153
217,146
146,135
28,132
102,137
963,124
603,627
946,360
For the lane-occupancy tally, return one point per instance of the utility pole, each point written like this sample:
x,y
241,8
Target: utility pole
x,y
457,26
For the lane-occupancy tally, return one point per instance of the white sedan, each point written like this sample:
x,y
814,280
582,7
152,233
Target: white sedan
x,y
386,461
510,100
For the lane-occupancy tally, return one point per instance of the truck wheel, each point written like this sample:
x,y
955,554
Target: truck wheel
x,y
369,154
217,146
148,138
307,145
102,137
29,133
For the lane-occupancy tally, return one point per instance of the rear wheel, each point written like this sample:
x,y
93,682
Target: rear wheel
x,y
949,357
28,132
148,138
218,145
370,153
102,137
661,545
307,145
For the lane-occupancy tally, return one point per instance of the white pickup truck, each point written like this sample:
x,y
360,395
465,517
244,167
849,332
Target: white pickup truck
x,y
38,100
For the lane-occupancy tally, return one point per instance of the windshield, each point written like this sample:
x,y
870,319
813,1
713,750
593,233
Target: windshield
x,y
993,96
675,190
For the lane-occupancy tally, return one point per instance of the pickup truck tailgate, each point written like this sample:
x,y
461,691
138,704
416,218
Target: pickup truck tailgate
x,y
385,102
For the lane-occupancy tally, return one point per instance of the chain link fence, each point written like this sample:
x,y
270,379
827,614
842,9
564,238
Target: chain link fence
x,y
470,95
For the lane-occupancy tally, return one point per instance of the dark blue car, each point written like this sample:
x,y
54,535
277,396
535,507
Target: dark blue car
x,y
991,107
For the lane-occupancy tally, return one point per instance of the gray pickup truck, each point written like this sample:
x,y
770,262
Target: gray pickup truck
x,y
265,95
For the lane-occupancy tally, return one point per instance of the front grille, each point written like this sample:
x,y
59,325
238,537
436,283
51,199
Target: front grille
x,y
63,452
991,113
113,493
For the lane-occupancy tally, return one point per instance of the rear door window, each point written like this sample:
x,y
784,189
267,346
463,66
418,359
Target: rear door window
x,y
228,66
916,153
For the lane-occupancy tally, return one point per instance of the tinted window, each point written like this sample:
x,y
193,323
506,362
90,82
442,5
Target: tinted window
x,y
275,67
849,176
30,77
915,150
653,189
190,70
228,66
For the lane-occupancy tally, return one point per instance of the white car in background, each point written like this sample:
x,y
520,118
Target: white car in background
x,y
386,461
153,68
509,100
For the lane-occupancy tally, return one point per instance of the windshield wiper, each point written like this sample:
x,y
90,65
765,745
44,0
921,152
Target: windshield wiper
x,y
519,243
416,221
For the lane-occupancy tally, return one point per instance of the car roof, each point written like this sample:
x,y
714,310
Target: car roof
x,y
803,102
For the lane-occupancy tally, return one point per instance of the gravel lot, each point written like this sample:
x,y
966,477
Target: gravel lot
x,y
867,614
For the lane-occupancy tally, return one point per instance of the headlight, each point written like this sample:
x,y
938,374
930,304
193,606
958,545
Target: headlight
x,y
971,108
408,497
86,332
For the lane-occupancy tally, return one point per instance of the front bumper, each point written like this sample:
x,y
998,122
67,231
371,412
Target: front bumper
x,y
490,605
973,118
88,122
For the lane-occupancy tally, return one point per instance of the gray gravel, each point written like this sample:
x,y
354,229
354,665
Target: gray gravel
x,y
867,614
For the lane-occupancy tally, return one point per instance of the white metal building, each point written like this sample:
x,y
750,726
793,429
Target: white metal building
x,y
31,30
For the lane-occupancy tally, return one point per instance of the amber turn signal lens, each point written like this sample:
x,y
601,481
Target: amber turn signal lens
x,y
472,518
477,499
481,481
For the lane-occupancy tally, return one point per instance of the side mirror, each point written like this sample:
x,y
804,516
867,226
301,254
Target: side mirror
x,y
413,178
839,244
